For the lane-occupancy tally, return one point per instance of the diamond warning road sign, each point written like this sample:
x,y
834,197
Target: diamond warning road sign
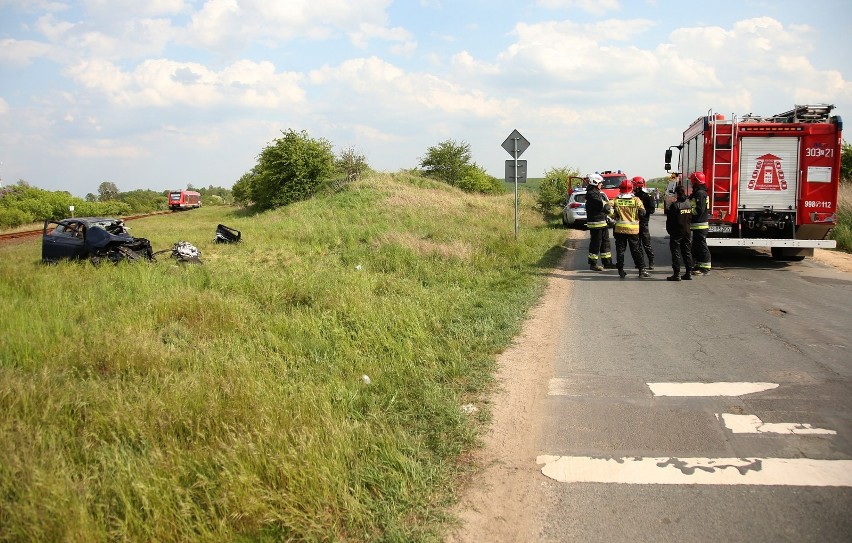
x,y
512,147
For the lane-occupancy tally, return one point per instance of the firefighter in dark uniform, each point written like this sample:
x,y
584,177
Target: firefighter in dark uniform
x,y
678,222
628,209
700,202
597,211
648,201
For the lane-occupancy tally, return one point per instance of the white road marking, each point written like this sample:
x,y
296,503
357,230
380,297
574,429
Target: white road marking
x,y
708,389
751,424
698,471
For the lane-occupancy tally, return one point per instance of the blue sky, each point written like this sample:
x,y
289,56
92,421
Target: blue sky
x,y
160,93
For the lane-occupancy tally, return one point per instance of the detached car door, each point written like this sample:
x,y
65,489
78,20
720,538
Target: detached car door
x,y
62,240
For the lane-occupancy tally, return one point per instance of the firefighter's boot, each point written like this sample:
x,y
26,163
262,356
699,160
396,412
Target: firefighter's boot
x,y
607,264
622,273
686,277
643,274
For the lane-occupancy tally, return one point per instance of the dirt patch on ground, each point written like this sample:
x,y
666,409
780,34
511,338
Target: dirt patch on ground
x,y
841,261
501,503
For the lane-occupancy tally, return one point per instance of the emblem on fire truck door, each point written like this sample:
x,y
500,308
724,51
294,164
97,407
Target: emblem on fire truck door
x,y
767,174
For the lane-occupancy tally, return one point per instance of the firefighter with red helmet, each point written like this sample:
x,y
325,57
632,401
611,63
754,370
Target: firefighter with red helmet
x,y
700,203
628,209
597,211
641,192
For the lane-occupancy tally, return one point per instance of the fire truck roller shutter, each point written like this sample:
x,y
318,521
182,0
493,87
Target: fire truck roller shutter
x,y
769,173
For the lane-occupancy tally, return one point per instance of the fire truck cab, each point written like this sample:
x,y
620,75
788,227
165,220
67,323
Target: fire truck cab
x,y
772,181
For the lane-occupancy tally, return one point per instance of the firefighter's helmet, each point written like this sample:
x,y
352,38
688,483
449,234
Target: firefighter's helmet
x,y
626,186
697,178
639,182
594,180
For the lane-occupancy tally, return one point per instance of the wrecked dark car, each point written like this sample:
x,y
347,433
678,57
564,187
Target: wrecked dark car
x,y
95,238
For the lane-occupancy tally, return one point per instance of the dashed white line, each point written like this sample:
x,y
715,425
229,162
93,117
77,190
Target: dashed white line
x,y
708,389
751,424
698,471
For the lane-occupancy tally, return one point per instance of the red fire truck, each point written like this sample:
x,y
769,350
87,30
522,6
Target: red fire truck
x,y
772,181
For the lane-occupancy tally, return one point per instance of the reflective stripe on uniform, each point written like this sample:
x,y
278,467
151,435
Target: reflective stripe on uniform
x,y
597,224
627,214
699,226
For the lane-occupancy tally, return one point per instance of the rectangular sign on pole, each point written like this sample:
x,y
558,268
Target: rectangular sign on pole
x,y
516,170
522,171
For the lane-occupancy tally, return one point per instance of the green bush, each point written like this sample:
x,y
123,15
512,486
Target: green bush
x,y
12,218
476,179
553,190
291,169
142,201
102,209
450,161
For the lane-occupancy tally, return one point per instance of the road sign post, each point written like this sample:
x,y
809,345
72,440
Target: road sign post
x,y
515,145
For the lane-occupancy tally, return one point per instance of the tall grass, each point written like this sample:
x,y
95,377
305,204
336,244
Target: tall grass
x,y
843,231
225,402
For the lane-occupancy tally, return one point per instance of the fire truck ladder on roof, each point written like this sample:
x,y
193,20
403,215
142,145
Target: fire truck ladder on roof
x,y
818,113
724,135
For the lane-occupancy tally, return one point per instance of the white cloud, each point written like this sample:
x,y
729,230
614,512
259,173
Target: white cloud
x,y
465,62
4,106
225,24
368,31
164,83
35,6
126,9
406,94
21,53
574,55
595,7
131,39
105,149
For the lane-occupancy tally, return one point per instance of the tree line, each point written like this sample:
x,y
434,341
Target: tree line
x,y
22,203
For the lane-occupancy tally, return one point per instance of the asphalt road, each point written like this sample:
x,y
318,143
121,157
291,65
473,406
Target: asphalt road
x,y
753,320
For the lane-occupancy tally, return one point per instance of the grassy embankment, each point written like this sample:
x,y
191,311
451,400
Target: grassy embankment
x,y
843,232
225,402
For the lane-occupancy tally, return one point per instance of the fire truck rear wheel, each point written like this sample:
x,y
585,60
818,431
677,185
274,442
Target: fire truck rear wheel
x,y
778,254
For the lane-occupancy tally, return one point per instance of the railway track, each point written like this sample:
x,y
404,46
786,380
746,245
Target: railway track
x,y
26,234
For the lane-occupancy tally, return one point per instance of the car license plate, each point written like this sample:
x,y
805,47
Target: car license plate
x,y
720,229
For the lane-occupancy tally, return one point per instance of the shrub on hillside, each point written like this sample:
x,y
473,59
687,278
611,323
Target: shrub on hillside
x,y
553,190
351,165
450,161
291,169
476,179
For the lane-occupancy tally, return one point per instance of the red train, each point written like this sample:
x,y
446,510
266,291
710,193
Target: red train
x,y
184,199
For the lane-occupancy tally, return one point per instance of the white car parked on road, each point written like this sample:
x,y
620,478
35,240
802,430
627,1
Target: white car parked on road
x,y
574,212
